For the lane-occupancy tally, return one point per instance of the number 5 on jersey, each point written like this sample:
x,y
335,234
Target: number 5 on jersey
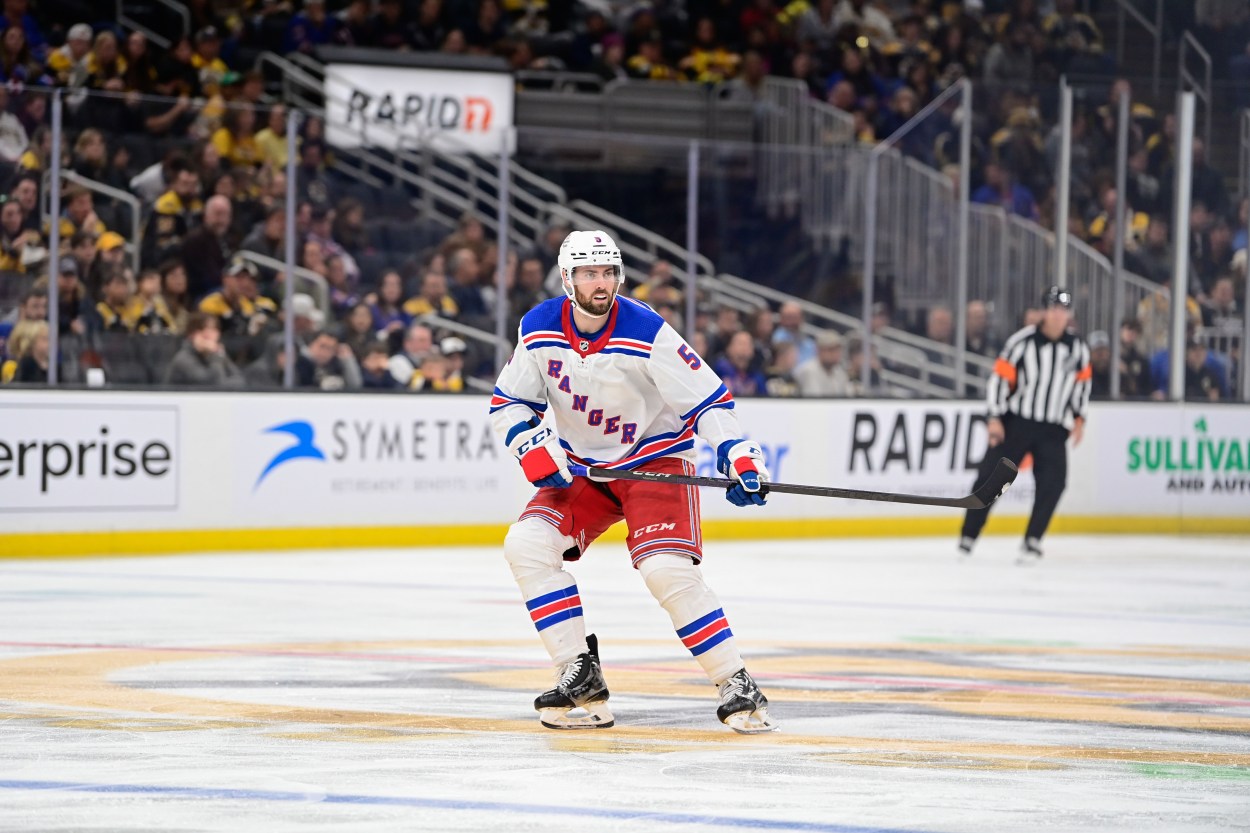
x,y
690,357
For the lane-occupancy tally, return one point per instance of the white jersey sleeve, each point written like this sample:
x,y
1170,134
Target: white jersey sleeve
x,y
520,394
689,384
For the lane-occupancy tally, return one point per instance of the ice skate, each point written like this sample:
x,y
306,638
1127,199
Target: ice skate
x,y
965,547
581,686
743,707
1030,552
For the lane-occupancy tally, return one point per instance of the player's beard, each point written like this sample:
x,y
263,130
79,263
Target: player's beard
x,y
592,307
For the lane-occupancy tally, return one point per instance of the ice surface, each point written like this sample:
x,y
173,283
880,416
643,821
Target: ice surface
x,y
1105,689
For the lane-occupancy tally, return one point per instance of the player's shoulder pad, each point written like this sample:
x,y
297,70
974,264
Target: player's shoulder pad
x,y
636,321
544,317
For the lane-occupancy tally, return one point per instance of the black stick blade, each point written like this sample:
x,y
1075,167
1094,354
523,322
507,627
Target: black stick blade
x,y
1001,478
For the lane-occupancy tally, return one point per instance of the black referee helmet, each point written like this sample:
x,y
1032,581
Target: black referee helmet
x,y
1056,297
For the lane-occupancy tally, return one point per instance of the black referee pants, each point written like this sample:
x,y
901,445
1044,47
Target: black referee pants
x,y
1047,443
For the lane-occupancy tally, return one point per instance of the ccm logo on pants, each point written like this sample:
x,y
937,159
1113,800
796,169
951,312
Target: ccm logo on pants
x,y
646,530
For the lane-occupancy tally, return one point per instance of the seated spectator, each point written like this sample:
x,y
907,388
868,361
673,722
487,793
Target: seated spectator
x,y
869,87
348,228
824,374
173,214
434,298
357,330
980,339
20,247
13,138
1009,63
34,158
659,275
1219,309
939,327
174,292
762,324
272,140
1154,313
790,328
709,60
16,14
1074,40
202,361
30,356
69,63
375,372
106,67
141,73
72,299
735,369
321,231
206,59
387,305
463,267
109,255
1135,382
435,375
1206,374
242,310
486,28
1100,363
268,238
236,139
648,62
781,381
148,314
309,29
454,350
34,307
308,317
417,347
79,213
109,314
206,250
999,189
342,298
25,191
327,364
855,369
818,25
868,20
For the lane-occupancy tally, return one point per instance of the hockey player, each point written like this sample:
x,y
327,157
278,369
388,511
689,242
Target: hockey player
x,y
602,380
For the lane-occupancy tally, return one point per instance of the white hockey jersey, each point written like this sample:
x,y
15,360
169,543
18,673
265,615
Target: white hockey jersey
x,y
630,393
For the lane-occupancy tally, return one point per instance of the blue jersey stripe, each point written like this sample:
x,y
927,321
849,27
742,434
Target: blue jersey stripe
x,y
547,599
701,623
717,394
557,618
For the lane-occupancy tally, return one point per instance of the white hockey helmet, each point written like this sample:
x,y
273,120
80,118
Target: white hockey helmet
x,y
588,248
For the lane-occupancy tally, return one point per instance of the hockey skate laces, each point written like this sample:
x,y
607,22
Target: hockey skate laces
x,y
570,672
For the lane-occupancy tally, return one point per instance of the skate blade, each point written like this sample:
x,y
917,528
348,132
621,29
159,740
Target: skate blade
x,y
597,716
751,723
1028,560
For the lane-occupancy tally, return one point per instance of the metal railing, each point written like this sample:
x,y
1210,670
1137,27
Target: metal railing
x,y
134,240
1200,86
1154,28
1243,155
156,38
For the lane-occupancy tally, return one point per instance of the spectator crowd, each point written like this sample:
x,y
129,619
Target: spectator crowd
x,y
184,290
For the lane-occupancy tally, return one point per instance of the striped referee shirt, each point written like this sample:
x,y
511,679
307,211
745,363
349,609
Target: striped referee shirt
x,y
1040,379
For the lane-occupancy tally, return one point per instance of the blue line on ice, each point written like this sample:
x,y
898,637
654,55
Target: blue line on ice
x,y
228,794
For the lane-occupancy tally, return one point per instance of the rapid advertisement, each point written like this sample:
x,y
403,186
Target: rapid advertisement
x,y
224,471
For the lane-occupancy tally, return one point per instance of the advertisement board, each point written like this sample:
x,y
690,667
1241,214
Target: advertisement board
x,y
454,111
66,458
94,471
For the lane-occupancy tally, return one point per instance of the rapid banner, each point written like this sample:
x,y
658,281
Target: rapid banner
x,y
452,111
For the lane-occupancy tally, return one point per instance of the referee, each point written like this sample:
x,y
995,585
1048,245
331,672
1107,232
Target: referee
x,y
1038,395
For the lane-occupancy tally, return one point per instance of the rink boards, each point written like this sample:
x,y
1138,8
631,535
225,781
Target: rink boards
x,y
98,472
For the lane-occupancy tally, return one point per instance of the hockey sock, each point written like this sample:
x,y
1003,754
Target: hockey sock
x,y
534,550
677,583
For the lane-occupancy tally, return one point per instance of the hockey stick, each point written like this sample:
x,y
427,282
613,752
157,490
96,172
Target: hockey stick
x,y
1004,475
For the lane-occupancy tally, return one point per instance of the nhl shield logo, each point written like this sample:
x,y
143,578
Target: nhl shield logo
x,y
583,345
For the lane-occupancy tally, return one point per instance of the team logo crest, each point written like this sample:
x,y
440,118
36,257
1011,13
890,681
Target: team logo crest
x,y
583,345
